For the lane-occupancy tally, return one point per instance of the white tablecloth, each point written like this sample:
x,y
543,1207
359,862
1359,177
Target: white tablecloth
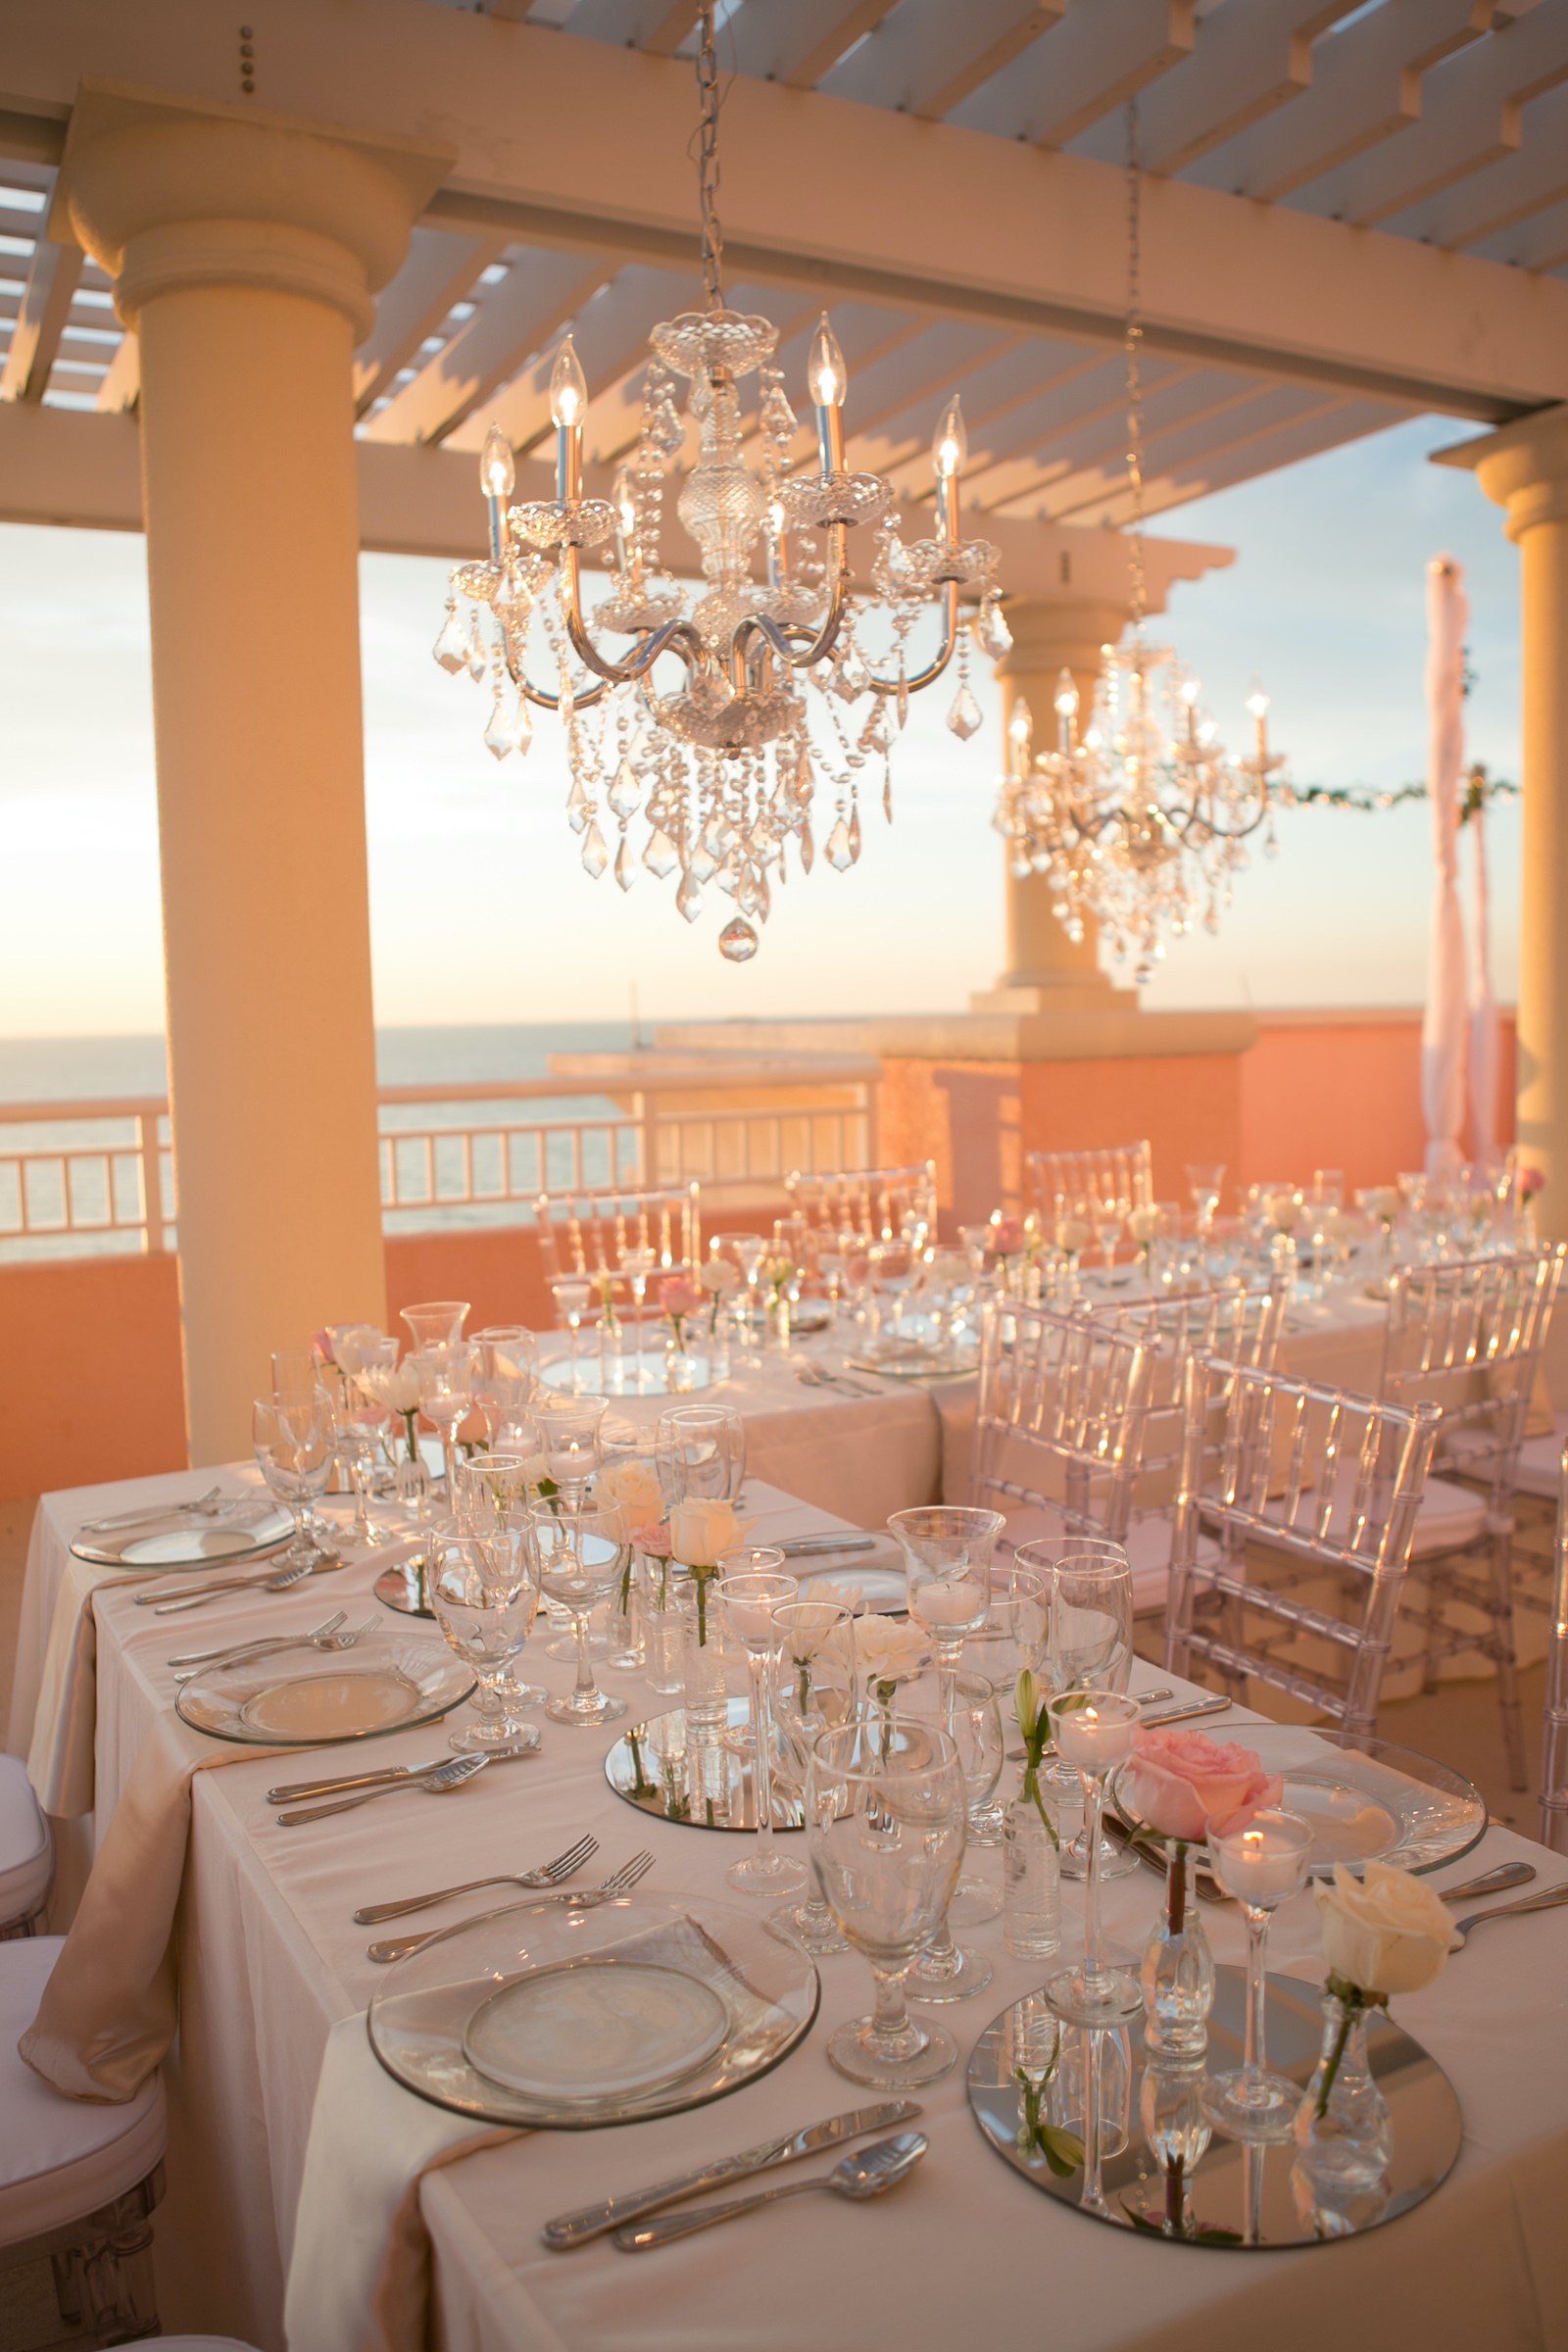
x,y
271,1962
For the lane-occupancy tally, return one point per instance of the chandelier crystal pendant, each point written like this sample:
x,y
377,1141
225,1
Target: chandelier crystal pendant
x,y
1139,821
722,763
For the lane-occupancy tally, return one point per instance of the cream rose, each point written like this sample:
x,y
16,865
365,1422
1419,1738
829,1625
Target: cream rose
x,y
703,1530
1385,1934
1142,1223
885,1650
1283,1210
1073,1235
633,1483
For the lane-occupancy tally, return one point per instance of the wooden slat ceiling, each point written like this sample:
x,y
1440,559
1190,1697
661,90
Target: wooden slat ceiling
x,y
1439,121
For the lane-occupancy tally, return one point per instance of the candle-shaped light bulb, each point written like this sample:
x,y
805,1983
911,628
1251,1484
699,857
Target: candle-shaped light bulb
x,y
1066,695
1257,702
568,386
625,504
825,372
951,446
497,476
776,519
1189,691
1020,726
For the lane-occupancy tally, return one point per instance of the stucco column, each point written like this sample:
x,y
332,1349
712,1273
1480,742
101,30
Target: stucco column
x,y
1524,468
245,252
1046,970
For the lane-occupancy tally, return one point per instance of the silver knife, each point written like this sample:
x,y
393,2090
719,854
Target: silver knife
x,y
298,1790
571,2229
801,1547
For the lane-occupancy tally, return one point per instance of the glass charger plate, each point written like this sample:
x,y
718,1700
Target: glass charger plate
x,y
628,1375
1232,2188
576,2006
1373,1803
195,1544
914,1363
388,1682
661,1769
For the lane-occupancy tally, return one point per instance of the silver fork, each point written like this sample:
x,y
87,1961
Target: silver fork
x,y
620,1882
325,1638
227,1651
550,1875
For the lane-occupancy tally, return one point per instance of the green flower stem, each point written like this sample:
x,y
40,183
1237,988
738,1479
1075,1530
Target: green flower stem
x,y
1176,1889
1032,1796
409,1420
1352,1999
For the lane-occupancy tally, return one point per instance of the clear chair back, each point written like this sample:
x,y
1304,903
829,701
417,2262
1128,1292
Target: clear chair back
x,y
878,1203
589,1232
1554,1726
1116,1172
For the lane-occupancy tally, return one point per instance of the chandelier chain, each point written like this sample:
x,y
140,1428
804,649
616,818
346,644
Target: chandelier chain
x,y
1134,349
707,163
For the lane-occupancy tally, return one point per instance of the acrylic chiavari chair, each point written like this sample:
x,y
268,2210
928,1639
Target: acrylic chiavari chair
x,y
1555,1724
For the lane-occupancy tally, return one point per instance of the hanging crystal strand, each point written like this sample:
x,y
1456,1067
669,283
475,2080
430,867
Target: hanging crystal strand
x,y
451,648
477,655
964,718
498,735
522,727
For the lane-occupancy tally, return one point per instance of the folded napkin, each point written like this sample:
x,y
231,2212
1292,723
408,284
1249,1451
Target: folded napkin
x,y
110,2009
359,2277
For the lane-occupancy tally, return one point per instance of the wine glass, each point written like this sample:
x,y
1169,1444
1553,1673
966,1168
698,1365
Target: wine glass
x,y
569,1427
1094,1731
1110,1214
700,1452
361,1423
573,1295
495,1491
294,1441
749,1251
437,1323
813,1689
1204,1181
895,1269
581,1556
885,1831
750,1585
946,1971
1262,1864
504,1376
946,1557
485,1596
445,1370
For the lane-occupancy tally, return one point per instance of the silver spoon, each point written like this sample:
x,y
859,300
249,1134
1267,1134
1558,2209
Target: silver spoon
x,y
1546,1900
444,1782
865,2175
1490,1882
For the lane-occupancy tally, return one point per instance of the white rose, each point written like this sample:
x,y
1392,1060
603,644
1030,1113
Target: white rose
x,y
720,1277
1073,1235
885,1650
1282,1210
703,1530
633,1483
1387,1933
1142,1223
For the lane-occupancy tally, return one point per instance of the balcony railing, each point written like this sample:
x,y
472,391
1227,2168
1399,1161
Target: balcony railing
x,y
87,1178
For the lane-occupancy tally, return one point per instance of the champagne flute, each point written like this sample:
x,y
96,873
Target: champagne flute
x,y
750,1585
294,1441
495,1493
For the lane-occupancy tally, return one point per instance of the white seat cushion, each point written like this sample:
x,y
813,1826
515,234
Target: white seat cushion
x,y
27,1848
1449,1516
1147,1543
1540,1462
59,2158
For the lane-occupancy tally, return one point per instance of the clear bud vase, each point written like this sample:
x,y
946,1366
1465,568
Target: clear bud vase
x,y
1343,2132
719,1349
1031,1875
681,1367
1178,1968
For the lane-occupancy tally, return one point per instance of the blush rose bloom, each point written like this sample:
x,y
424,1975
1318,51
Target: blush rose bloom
x,y
1184,1785
1387,1933
678,1296
1006,1237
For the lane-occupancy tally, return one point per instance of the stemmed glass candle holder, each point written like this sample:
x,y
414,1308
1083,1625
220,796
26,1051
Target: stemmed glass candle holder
x,y
573,1295
885,1830
1090,1647
484,1597
504,1372
1093,1732
1204,1181
749,1252
581,1556
947,1555
1262,1865
813,1689
437,1323
750,1585
445,1372
570,1426
637,1265
293,1438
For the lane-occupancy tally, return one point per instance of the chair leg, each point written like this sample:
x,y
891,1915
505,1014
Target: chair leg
x,y
1434,1622
1513,1736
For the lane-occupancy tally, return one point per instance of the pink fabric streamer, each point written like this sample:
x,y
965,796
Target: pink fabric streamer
x,y
1484,1042
1442,1029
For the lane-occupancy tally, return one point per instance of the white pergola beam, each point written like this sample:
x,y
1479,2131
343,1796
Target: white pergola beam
x,y
655,26
900,211
798,44
928,55
1252,57
1485,203
1103,53
439,271
540,292
52,276
611,338
1469,119
1262,450
1539,243
120,388
1365,89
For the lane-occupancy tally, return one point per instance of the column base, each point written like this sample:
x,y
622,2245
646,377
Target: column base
x,y
1027,998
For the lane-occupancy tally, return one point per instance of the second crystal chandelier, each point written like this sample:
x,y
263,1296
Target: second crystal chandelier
x,y
721,761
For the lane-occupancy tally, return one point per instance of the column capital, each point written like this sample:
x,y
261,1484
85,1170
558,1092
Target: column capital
x,y
166,193
1052,633
1523,467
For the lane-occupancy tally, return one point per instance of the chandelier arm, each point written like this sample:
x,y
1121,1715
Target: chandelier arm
x,y
541,695
838,603
1194,818
676,637
939,660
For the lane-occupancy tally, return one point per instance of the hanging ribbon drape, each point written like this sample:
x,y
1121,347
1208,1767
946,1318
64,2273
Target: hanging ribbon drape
x,y
1483,1047
1442,1029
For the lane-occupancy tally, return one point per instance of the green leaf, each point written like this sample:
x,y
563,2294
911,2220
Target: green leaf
x,y
1063,2150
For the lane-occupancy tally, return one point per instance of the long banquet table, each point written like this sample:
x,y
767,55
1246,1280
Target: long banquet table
x,y
273,1971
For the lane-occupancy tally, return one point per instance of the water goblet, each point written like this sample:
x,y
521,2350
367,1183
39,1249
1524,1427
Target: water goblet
x,y
1262,1865
437,1323
445,1371
570,1429
749,1251
948,1970
294,1441
813,1689
751,1584
1203,1182
573,1296
581,1556
700,1452
885,1832
894,1270
1093,1730
496,1492
483,1593
504,1376
946,1557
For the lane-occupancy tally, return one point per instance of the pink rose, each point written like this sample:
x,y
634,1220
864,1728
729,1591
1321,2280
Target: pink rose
x,y
653,1539
1006,1237
1183,1784
322,1344
678,1296
858,1269
1531,1180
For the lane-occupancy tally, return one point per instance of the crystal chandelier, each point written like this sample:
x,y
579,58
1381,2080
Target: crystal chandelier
x,y
1139,822
722,762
